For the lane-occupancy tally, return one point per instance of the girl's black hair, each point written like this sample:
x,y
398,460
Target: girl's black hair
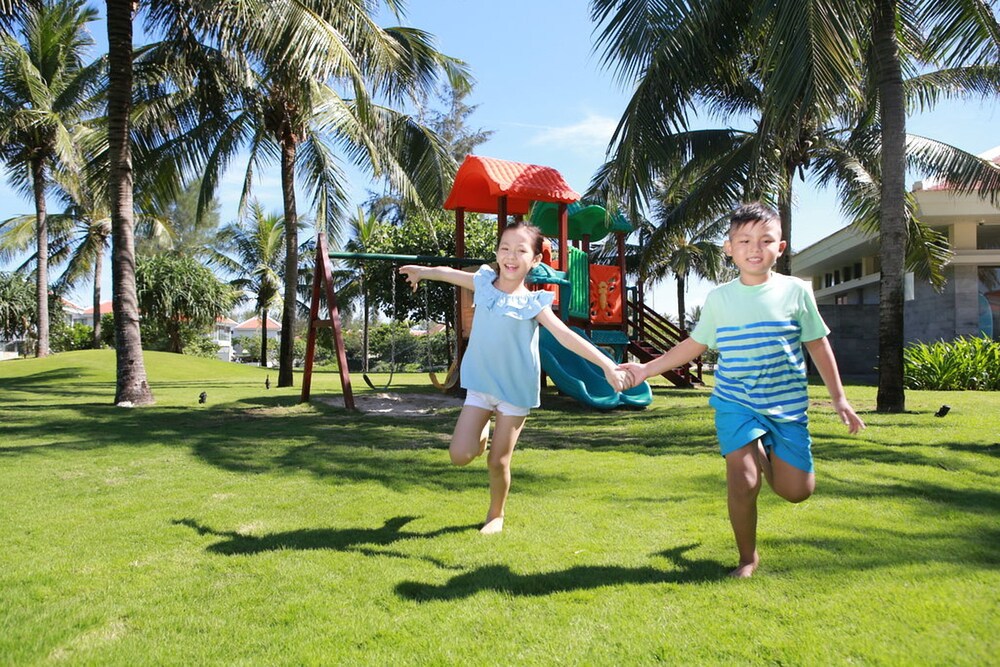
x,y
537,237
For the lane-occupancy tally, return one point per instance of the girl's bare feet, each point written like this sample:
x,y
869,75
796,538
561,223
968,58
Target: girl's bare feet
x,y
492,526
746,570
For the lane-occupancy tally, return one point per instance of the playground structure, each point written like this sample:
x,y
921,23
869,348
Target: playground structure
x,y
593,299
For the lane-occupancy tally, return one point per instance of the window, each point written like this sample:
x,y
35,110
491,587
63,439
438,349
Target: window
x,y
987,236
989,301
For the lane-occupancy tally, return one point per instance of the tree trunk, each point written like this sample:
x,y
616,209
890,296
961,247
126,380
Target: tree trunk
x,y
42,273
98,269
784,263
286,354
131,386
893,231
365,328
263,337
680,302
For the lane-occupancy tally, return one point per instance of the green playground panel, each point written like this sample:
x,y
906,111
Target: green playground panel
x,y
579,280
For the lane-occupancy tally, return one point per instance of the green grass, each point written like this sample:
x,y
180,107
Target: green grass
x,y
256,530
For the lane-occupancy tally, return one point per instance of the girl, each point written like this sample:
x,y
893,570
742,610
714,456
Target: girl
x,y
501,367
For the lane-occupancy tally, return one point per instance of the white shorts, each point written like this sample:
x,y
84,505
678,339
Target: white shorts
x,y
480,399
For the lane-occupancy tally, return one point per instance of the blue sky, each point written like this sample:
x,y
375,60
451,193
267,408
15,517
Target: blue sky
x,y
542,89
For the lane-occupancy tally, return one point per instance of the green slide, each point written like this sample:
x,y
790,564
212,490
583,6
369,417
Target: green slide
x,y
577,377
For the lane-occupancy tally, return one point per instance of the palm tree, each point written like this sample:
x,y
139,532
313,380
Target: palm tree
x,y
684,247
80,236
251,250
365,231
46,92
298,107
811,63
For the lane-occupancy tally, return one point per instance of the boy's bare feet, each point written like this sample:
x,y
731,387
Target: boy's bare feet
x,y
492,527
746,570
764,463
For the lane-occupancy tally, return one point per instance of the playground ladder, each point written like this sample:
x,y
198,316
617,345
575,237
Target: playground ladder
x,y
650,335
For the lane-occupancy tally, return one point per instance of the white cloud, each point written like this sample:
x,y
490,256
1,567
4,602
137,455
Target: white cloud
x,y
590,134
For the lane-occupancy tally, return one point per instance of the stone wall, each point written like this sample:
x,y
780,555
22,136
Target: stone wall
x,y
854,339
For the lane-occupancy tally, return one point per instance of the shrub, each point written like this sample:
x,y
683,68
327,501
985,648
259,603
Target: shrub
x,y
964,363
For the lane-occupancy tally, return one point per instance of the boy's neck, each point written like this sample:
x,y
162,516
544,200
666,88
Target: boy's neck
x,y
752,280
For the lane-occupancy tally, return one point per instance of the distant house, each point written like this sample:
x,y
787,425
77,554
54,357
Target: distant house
x,y
251,328
11,349
86,315
844,270
222,335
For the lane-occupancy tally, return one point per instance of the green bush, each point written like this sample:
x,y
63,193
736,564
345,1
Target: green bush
x,y
964,363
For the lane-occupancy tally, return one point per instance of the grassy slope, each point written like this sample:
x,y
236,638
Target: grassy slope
x,y
255,529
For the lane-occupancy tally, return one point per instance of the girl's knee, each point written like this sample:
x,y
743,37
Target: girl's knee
x,y
461,456
498,463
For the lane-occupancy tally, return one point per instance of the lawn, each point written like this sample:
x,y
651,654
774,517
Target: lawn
x,y
253,529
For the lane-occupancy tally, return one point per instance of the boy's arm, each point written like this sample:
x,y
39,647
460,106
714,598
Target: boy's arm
x,y
415,273
581,346
826,364
675,357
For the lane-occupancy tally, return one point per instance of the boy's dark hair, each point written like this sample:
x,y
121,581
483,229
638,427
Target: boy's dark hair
x,y
537,238
749,213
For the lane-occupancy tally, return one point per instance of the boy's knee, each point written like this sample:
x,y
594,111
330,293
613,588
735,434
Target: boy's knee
x,y
795,495
744,485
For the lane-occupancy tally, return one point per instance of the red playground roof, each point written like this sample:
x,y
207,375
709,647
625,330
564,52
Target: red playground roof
x,y
481,181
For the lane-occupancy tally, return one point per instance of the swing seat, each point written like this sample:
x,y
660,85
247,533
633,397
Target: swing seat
x,y
451,379
371,384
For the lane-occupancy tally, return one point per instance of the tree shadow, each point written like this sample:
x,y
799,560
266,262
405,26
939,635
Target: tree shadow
x,y
333,539
500,578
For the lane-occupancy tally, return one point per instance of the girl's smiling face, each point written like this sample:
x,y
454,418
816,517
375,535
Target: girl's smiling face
x,y
516,254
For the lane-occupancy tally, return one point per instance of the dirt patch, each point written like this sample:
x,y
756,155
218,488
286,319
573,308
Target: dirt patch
x,y
401,405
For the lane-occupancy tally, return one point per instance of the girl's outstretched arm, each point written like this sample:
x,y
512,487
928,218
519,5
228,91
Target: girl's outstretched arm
x,y
576,343
415,273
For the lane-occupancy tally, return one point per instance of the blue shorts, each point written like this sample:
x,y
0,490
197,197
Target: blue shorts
x,y
737,425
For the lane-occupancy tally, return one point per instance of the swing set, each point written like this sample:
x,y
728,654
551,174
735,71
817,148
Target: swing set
x,y
482,185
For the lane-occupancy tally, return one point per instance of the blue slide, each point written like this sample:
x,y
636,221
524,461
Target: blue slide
x,y
577,377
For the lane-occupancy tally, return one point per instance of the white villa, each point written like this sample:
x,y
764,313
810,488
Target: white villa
x,y
251,328
844,270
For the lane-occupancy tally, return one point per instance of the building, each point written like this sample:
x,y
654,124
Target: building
x,y
222,335
844,270
251,328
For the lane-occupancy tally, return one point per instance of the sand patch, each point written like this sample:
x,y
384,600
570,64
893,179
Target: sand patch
x,y
401,405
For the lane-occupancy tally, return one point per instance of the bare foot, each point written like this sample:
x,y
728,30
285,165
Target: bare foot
x,y
492,527
746,570
764,463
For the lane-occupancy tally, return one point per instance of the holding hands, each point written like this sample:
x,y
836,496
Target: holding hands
x,y
634,374
618,378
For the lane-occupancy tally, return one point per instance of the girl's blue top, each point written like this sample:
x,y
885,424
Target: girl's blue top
x,y
502,356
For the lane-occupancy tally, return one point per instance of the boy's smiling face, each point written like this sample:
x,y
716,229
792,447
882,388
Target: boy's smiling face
x,y
755,247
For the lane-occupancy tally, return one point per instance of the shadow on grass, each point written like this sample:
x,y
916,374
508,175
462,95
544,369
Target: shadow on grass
x,y
333,539
500,578
973,500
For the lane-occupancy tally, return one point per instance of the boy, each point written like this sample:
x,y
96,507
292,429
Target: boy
x,y
759,323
